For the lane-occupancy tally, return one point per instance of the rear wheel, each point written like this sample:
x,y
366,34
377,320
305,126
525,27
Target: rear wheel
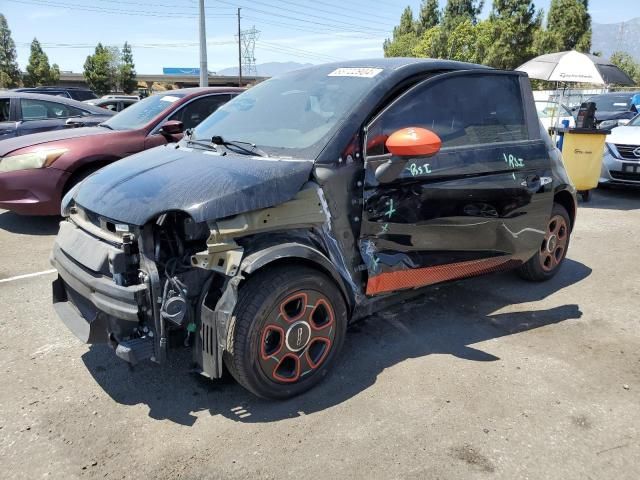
x,y
547,261
290,324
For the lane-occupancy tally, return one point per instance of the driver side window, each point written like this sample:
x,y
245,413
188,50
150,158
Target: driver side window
x,y
199,109
470,109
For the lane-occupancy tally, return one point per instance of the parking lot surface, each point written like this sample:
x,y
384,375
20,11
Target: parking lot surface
x,y
491,377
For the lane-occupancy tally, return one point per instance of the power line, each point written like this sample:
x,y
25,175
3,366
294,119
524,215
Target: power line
x,y
86,8
286,48
297,12
133,45
301,20
341,8
302,28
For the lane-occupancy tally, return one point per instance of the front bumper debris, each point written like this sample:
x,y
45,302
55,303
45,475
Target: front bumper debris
x,y
90,303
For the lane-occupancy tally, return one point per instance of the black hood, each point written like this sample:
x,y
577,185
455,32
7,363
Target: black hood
x,y
206,186
613,115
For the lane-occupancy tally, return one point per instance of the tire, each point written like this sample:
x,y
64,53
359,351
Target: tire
x,y
77,177
290,324
548,260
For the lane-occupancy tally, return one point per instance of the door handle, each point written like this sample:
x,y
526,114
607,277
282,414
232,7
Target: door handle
x,y
532,182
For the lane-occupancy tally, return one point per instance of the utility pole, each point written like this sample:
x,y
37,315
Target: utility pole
x,y
204,71
239,52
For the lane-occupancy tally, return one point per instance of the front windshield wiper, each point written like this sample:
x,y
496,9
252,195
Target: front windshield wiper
x,y
239,147
105,126
202,143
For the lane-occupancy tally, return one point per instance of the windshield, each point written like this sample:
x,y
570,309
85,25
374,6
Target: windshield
x,y
550,110
635,122
142,112
612,103
293,115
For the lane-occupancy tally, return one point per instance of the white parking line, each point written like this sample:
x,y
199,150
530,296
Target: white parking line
x,y
27,275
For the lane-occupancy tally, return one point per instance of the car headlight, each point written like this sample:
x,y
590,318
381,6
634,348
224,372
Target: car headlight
x,y
25,161
613,151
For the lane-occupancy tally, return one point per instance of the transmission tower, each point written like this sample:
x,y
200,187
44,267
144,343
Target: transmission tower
x,y
248,40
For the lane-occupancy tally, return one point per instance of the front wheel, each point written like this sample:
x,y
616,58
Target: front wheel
x,y
290,324
547,261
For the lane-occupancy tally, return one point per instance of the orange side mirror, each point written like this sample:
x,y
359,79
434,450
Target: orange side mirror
x,y
413,142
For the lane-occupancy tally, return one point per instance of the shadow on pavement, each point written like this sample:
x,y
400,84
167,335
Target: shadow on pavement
x,y
29,225
613,198
448,319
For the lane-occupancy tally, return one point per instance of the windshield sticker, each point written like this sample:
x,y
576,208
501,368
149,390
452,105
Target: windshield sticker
x,y
355,72
619,104
169,98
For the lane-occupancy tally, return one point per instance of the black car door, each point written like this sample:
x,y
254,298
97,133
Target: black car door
x,y
478,205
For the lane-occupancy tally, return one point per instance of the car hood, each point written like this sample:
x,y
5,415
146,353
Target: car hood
x,y
24,141
206,186
624,135
613,115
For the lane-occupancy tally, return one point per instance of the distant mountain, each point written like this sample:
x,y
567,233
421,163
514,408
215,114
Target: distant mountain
x,y
612,37
269,69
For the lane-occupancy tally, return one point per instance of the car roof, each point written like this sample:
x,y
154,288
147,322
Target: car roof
x,y
197,91
615,94
28,89
52,98
398,67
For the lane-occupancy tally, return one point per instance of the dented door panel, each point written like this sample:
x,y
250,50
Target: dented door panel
x,y
482,205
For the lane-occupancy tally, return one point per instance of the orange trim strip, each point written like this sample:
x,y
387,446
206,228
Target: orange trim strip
x,y
420,277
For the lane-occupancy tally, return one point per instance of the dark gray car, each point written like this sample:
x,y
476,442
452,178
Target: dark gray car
x,y
25,113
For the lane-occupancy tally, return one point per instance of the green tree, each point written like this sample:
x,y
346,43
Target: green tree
x,y
404,36
9,70
429,16
127,70
627,64
512,27
457,11
98,70
568,27
39,72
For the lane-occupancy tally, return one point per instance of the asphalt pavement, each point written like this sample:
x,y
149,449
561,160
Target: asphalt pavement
x,y
491,377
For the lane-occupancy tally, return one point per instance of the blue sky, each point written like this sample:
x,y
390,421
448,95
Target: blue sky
x,y
164,32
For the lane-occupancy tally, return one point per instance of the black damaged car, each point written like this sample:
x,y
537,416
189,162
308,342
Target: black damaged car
x,y
307,202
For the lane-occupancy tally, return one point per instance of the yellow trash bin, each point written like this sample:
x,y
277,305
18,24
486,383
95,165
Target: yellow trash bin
x,y
582,152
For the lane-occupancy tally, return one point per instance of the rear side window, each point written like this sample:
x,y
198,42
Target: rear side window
x,y
43,110
465,110
82,95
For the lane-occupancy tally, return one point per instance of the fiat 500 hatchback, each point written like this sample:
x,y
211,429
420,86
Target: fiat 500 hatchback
x,y
306,202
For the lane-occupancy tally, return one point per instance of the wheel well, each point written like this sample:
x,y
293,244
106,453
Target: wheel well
x,y
311,264
82,172
565,199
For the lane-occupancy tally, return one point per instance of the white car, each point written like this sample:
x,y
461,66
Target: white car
x,y
621,162
552,114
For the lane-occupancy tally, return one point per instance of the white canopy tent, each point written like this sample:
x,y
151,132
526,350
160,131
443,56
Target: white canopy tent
x,y
576,67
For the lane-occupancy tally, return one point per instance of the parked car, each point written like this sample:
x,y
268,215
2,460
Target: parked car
x,y
552,114
613,109
621,163
305,203
26,113
76,93
113,104
36,170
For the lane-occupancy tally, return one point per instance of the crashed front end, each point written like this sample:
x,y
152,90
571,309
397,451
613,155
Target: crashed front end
x,y
173,282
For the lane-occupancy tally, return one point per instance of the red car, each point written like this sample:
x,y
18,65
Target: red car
x,y
37,170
